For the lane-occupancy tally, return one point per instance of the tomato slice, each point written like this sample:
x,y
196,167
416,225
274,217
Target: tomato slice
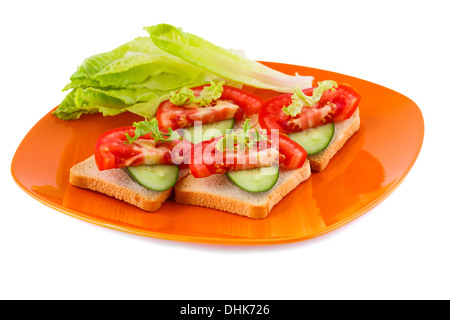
x,y
333,106
112,152
207,160
233,103
346,100
293,153
248,103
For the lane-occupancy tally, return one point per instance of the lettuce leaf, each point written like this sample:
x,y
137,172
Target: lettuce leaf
x,y
241,138
224,63
134,77
96,63
143,102
300,100
208,94
138,75
142,128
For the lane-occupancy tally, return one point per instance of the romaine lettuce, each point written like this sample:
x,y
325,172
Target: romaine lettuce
x,y
138,75
222,62
133,77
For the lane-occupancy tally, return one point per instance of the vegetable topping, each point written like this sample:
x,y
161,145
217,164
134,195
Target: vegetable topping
x,y
309,108
231,103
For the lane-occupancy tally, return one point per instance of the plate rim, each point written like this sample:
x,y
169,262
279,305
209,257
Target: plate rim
x,y
233,241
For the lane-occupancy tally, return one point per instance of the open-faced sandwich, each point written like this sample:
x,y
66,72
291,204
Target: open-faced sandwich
x,y
192,149
211,144
320,119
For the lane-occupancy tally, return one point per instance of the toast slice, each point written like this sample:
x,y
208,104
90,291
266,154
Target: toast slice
x,y
218,192
118,184
343,130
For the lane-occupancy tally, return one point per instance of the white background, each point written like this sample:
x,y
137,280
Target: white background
x,y
398,250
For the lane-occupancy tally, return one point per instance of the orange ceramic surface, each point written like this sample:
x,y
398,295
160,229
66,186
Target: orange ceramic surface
x,y
363,173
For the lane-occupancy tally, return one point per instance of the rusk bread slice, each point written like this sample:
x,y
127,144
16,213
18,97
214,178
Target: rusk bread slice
x,y
343,130
118,184
218,192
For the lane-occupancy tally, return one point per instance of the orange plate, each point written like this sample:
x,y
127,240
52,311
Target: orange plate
x,y
363,173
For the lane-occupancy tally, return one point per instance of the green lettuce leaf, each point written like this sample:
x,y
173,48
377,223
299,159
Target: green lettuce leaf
x,y
148,70
241,138
300,100
96,63
224,63
80,101
133,77
142,128
138,75
206,97
148,108
67,110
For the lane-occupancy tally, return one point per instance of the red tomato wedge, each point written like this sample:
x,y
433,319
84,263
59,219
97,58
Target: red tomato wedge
x,y
112,151
293,153
207,160
233,103
333,106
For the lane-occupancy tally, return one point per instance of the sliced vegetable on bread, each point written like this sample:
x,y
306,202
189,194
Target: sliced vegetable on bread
x,y
209,109
316,139
255,180
245,172
199,133
245,149
204,139
141,144
118,184
218,192
138,158
313,117
157,177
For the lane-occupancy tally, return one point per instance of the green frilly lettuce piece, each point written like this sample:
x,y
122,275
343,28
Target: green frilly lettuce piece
x,y
208,94
300,100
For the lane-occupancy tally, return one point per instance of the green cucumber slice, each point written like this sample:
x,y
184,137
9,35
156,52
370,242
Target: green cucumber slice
x,y
158,177
255,180
209,131
316,139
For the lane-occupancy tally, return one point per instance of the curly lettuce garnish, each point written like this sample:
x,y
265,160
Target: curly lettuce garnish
x,y
151,126
208,95
300,100
243,138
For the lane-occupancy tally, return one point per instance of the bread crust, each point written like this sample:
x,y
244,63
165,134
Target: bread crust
x,y
116,183
343,130
228,197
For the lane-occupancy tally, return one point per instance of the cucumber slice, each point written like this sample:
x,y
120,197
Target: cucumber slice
x,y
315,139
255,180
209,131
158,177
